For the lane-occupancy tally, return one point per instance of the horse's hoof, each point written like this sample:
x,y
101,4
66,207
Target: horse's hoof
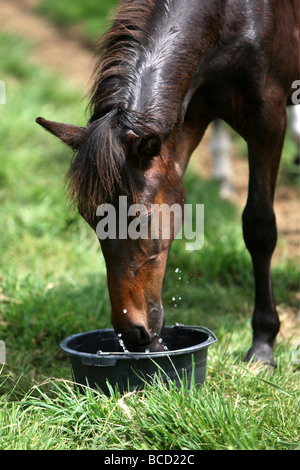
x,y
261,352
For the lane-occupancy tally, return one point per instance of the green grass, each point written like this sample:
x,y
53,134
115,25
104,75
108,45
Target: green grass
x,y
53,284
89,16
236,409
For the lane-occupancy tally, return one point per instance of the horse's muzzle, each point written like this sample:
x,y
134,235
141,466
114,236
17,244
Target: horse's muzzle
x,y
140,337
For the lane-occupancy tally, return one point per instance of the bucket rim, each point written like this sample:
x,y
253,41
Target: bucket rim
x,y
211,339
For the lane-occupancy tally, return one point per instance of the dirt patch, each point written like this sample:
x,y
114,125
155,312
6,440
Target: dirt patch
x,y
52,46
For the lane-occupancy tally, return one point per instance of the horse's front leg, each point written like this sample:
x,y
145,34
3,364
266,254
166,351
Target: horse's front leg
x,y
265,140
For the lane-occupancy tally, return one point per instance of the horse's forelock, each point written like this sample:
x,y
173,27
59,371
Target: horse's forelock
x,y
97,171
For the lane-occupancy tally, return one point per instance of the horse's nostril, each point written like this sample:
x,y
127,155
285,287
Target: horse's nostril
x,y
143,336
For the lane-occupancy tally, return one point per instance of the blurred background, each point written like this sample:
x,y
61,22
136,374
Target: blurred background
x,y
52,273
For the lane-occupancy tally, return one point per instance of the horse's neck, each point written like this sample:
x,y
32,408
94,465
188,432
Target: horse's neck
x,y
166,67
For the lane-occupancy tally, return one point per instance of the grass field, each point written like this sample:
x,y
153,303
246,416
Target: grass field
x,y
53,284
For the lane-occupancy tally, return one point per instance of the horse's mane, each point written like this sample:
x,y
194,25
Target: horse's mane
x,y
118,52
99,169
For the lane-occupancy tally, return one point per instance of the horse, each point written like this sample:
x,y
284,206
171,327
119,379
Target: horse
x,y
166,69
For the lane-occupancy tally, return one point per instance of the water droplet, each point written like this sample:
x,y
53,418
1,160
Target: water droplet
x,y
179,278
179,298
160,340
173,299
166,347
147,351
120,335
121,342
125,310
155,335
98,353
177,270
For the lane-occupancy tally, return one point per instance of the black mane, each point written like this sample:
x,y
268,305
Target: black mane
x,y
144,69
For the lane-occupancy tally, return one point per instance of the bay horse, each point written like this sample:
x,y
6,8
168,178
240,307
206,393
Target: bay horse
x,y
165,70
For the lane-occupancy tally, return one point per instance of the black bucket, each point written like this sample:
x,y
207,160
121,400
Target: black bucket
x,y
96,358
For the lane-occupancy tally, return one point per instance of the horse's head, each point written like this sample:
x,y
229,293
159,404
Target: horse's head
x,y
132,219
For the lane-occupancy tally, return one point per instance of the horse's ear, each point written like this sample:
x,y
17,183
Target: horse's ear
x,y
147,146
69,134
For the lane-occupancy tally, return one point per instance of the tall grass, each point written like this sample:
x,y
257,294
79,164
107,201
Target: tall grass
x,y
53,284
236,409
